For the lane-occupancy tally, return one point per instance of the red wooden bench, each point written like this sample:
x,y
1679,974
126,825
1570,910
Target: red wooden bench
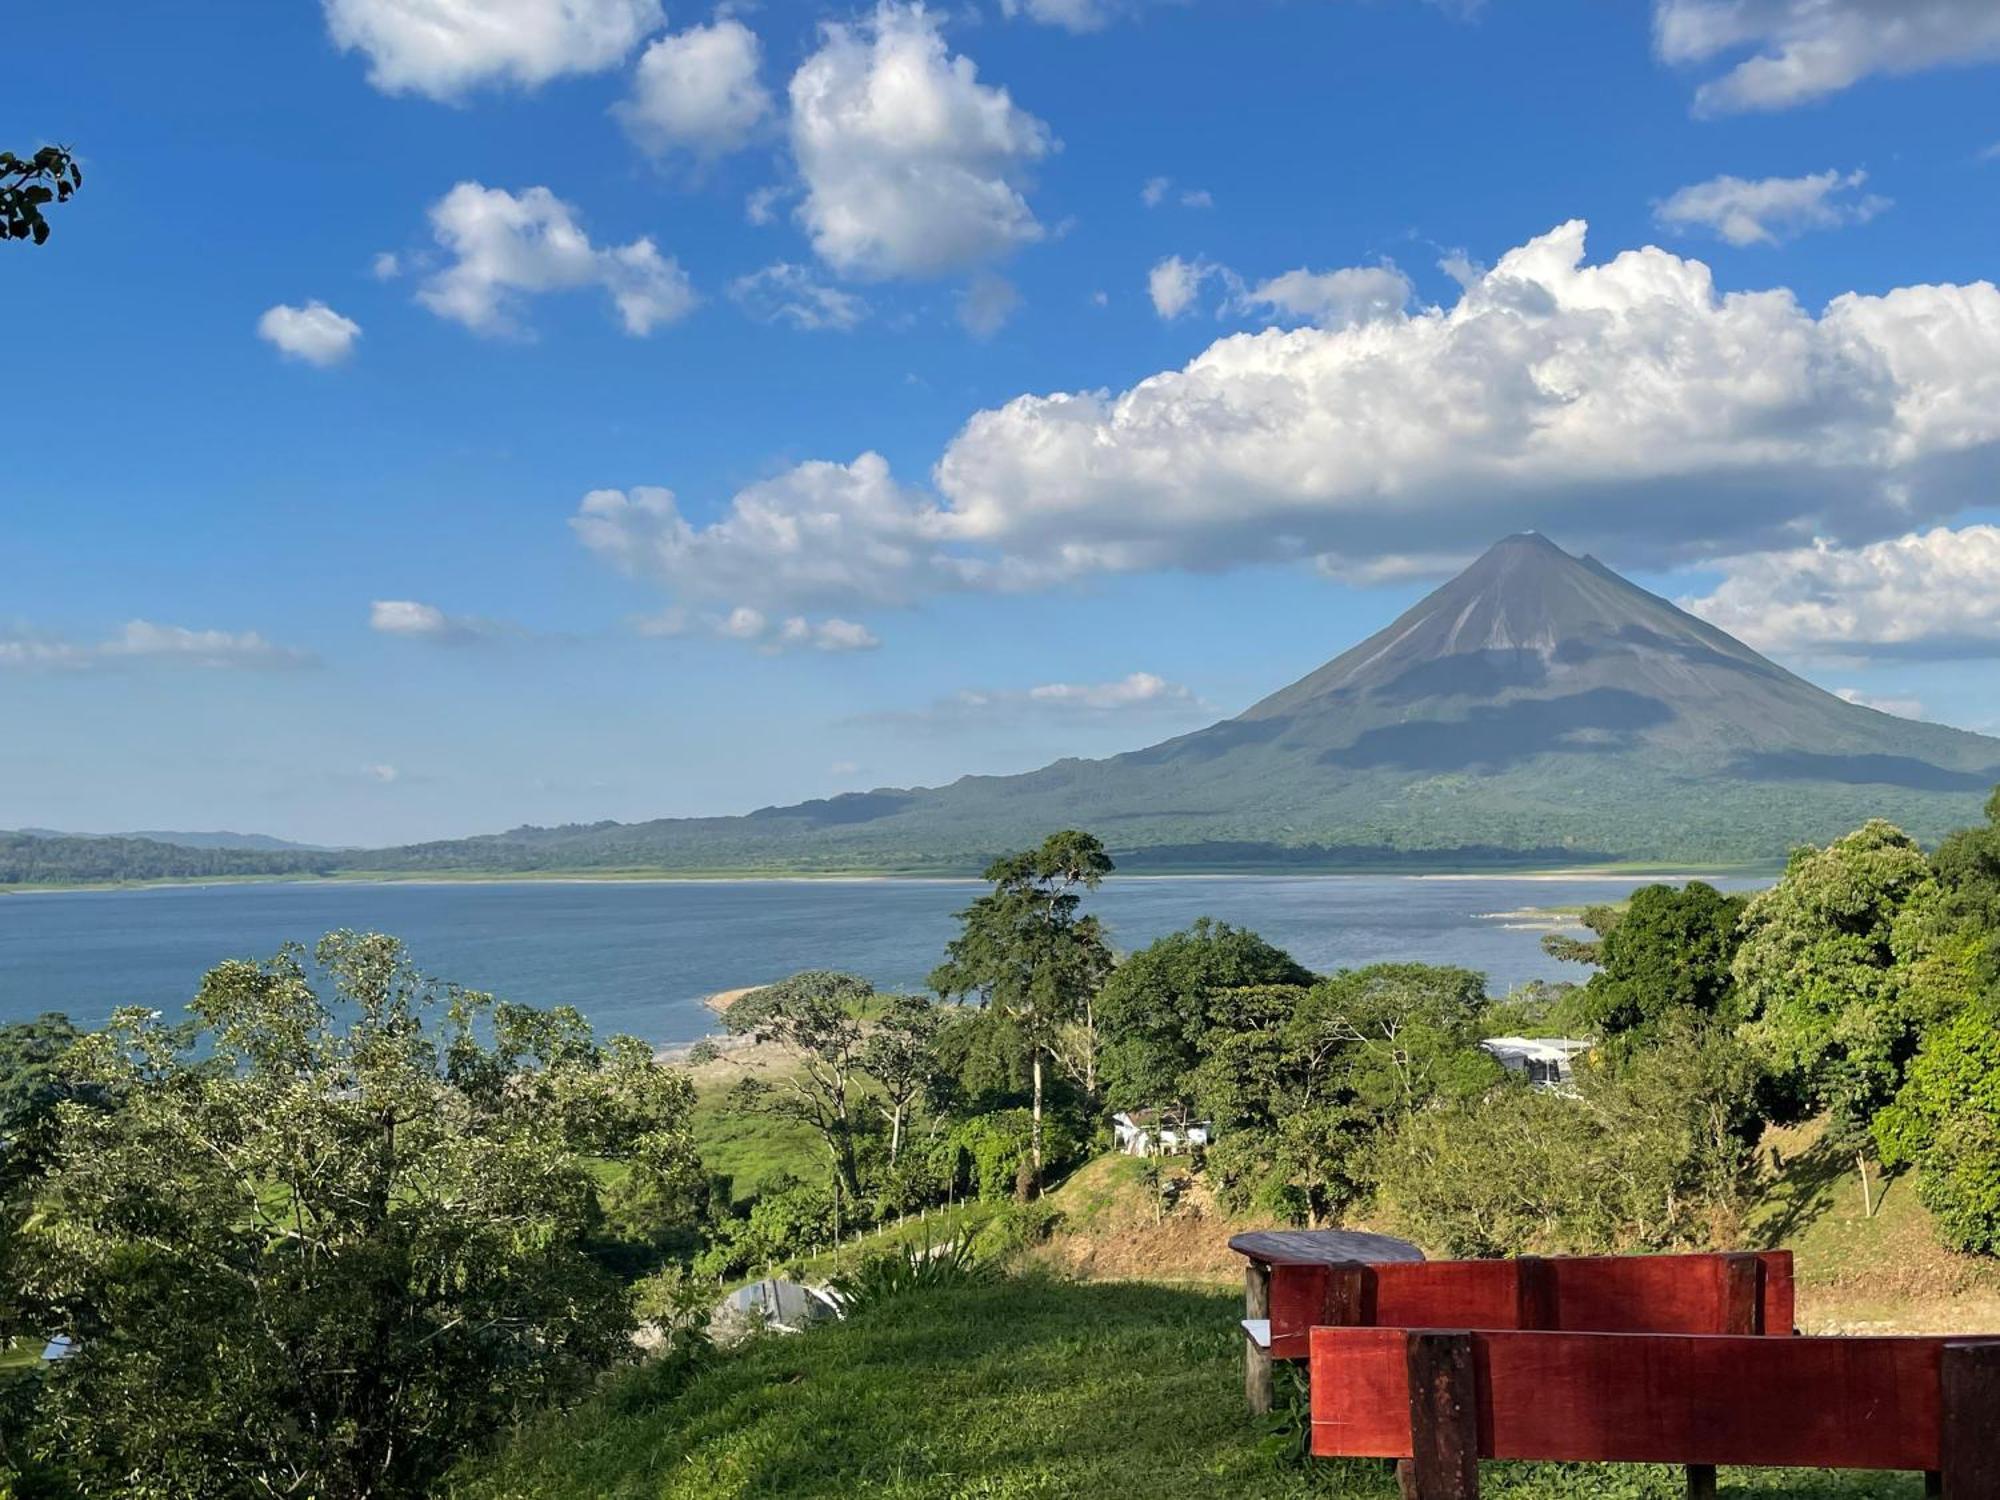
x,y
1443,1400
1749,1292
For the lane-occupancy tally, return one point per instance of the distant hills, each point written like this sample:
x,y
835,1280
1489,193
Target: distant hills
x,y
1537,710
262,842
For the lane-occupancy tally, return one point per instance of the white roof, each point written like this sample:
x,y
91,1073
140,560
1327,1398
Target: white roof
x,y
1538,1048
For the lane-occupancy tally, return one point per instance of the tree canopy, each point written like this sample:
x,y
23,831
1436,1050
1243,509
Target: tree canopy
x,y
27,186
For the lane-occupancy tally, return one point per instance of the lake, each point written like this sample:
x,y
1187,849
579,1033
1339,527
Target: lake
x,y
640,956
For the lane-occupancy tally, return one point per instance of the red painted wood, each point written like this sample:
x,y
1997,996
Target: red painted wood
x,y
1969,1464
1583,1294
1666,1398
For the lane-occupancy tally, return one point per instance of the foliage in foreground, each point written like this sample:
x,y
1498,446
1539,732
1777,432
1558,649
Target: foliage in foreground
x,y
311,1250
1021,1388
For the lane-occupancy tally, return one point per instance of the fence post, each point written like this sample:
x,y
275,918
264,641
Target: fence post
x,y
1444,1417
1534,1294
1345,1304
1257,1385
1742,1294
1969,1459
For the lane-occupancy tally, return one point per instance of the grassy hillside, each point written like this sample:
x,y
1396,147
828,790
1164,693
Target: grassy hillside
x,y
1031,1387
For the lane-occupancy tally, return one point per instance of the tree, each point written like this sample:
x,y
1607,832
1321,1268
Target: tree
x,y
815,1019
1159,1005
900,1055
51,175
1670,951
1945,1122
1025,951
323,1247
1597,919
1819,978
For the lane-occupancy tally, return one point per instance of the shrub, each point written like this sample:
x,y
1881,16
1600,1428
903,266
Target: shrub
x,y
1018,1227
911,1268
1946,1123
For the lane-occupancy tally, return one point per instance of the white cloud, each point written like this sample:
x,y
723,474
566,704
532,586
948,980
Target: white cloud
x,y
1931,593
1155,192
1174,283
755,628
385,775
1902,708
508,247
1335,299
786,293
819,535
314,333
1801,50
411,620
1071,15
698,91
142,642
386,266
986,304
442,48
912,167
1140,697
1771,209
1626,406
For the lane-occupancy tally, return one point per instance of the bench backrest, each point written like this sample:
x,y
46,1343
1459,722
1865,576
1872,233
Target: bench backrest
x,y
1852,1403
1749,1293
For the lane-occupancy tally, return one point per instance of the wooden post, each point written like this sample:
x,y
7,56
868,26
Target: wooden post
x,y
1969,1458
1346,1302
1742,1312
1933,1483
1535,1295
1742,1294
1257,1387
1444,1417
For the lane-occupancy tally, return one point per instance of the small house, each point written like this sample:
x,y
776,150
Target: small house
x,y
1150,1132
1546,1062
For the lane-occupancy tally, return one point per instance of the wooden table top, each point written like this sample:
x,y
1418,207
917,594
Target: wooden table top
x,y
1294,1247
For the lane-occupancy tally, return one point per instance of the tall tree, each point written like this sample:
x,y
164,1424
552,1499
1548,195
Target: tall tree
x,y
28,186
325,1247
1820,980
1025,950
1159,1005
900,1056
1670,951
815,1019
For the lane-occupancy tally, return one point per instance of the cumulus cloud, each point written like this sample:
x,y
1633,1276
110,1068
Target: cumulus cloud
x,y
1157,190
698,91
314,333
911,166
1931,593
1174,283
1334,299
1771,209
786,293
1626,406
142,643
410,620
386,266
508,247
821,535
443,48
1139,697
1801,50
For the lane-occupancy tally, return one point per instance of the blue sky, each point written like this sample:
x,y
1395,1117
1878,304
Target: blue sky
x,y
349,392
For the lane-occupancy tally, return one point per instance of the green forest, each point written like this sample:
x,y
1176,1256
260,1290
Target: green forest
x,y
344,1230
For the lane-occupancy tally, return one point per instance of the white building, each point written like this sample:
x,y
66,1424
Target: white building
x,y
1545,1060
1144,1133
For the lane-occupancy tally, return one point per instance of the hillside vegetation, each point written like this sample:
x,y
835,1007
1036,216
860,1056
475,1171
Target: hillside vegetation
x,y
1028,1387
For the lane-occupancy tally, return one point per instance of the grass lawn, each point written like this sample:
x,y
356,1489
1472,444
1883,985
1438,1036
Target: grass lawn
x,y
1029,1387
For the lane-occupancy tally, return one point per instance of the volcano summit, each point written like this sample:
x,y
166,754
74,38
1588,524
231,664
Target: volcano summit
x,y
1537,709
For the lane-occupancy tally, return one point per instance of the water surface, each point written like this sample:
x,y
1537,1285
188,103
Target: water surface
x,y
640,956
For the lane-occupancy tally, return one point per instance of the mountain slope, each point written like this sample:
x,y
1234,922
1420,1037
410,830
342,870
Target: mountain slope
x,y
1538,708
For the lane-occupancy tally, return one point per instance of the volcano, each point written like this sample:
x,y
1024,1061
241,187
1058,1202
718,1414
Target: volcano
x,y
1538,709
